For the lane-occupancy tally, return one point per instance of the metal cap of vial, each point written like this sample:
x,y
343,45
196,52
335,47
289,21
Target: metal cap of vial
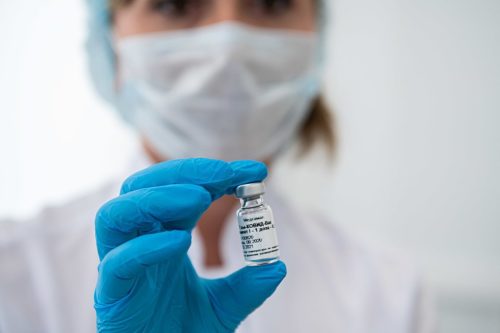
x,y
250,190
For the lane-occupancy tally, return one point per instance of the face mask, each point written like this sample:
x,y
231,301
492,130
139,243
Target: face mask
x,y
226,91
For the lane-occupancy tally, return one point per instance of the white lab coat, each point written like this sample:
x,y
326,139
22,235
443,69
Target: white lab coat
x,y
48,270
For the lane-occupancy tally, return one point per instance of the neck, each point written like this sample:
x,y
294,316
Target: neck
x,y
211,229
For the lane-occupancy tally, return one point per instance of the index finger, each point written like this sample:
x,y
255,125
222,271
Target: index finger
x,y
216,176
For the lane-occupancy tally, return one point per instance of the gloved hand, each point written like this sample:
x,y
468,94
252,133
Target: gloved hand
x,y
146,281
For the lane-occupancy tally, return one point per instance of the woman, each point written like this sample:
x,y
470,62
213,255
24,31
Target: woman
x,y
229,80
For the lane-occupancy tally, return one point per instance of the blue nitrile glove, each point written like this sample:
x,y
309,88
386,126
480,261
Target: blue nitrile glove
x,y
146,281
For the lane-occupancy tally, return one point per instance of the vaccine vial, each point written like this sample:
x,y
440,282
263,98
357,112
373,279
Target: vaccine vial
x,y
256,224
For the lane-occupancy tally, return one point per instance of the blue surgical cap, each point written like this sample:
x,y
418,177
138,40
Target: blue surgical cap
x,y
100,54
101,57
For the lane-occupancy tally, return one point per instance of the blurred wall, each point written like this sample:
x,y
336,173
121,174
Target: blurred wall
x,y
416,88
56,138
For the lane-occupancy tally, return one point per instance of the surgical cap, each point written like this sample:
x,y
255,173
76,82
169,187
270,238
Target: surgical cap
x,y
101,56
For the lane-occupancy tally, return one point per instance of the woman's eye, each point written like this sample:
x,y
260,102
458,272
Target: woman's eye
x,y
174,8
274,7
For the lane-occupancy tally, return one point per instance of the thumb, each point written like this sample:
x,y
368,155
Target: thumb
x,y
239,294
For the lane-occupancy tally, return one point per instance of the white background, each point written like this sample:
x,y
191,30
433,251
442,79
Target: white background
x,y
416,88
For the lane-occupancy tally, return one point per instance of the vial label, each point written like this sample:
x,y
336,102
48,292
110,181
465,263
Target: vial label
x,y
258,236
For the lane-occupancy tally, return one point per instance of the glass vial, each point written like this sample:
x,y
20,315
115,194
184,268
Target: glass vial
x,y
256,224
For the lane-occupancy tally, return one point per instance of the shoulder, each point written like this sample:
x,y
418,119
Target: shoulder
x,y
345,253
384,279
43,258
378,277
58,220
386,265
367,279
74,214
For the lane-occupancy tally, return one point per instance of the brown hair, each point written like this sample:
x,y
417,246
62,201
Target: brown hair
x,y
319,125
